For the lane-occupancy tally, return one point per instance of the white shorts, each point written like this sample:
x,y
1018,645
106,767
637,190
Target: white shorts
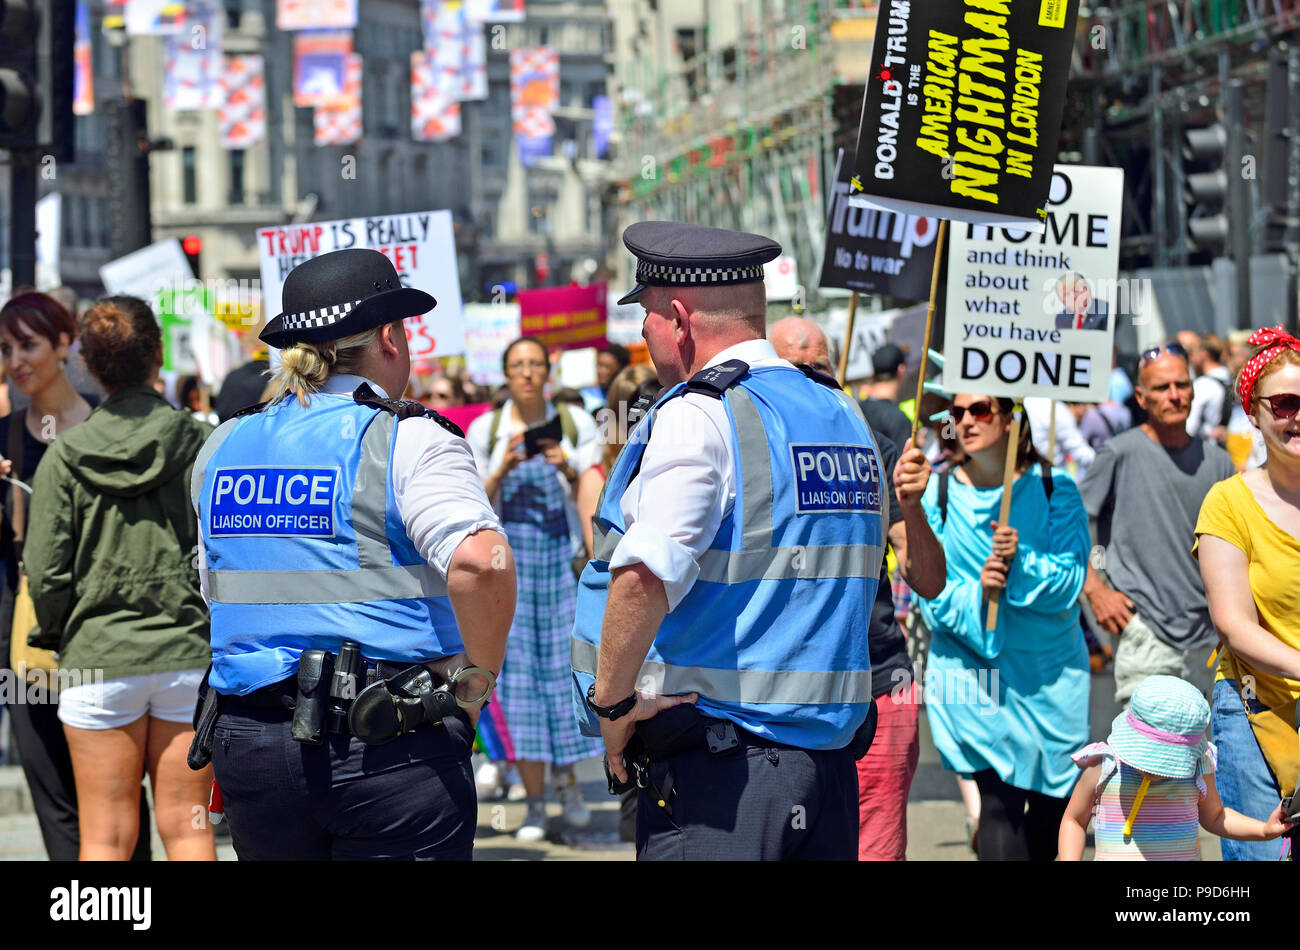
x,y
122,700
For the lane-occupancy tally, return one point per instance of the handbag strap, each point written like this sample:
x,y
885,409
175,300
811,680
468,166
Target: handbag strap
x,y
18,519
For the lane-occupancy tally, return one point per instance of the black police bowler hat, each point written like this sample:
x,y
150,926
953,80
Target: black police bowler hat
x,y
673,254
339,294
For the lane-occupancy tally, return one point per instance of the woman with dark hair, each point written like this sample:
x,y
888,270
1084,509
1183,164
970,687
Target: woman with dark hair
x,y
109,558
535,499
36,333
1008,705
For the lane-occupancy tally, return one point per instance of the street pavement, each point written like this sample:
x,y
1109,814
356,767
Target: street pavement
x,y
935,816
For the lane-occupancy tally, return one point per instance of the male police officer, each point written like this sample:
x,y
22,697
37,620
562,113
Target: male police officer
x,y
738,544
361,589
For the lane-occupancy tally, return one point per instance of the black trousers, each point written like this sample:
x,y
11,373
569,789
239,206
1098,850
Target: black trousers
x,y
410,799
754,804
1015,824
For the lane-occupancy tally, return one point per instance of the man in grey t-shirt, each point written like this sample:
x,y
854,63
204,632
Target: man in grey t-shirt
x,y
1144,492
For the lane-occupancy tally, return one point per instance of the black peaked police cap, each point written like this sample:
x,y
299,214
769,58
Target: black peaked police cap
x,y
670,254
339,294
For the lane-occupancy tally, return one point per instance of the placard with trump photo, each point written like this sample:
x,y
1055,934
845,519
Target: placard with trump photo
x,y
963,107
1034,314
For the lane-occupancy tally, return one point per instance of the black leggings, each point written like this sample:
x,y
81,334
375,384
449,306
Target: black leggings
x,y
1010,831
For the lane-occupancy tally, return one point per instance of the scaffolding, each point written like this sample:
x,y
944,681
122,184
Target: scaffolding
x,y
740,137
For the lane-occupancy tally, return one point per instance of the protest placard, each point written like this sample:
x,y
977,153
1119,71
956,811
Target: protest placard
x,y
421,246
144,272
567,317
963,107
875,251
489,329
1033,314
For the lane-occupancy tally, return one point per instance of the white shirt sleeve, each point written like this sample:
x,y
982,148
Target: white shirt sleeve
x,y
1069,440
438,491
683,491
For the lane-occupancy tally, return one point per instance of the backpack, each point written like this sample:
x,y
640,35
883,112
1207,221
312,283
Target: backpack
x,y
567,426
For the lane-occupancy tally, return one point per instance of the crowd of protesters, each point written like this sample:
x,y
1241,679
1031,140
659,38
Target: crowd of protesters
x,y
1164,526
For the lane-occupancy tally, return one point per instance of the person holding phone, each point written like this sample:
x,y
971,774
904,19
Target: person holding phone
x,y
534,494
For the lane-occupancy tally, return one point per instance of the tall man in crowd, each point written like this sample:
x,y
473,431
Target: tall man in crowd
x,y
885,773
1211,389
1143,492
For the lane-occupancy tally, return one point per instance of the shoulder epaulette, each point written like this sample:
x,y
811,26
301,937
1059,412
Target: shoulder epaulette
x,y
716,380
817,376
250,410
403,408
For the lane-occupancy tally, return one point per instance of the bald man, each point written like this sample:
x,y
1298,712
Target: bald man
x,y
885,772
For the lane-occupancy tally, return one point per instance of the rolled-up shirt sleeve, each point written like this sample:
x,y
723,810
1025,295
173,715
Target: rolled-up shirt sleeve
x,y
439,493
674,506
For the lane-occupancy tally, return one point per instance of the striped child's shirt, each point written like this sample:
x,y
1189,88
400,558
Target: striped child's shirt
x,y
1167,823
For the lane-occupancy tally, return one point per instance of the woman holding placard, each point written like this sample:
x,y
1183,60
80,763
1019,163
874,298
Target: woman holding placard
x,y
1008,705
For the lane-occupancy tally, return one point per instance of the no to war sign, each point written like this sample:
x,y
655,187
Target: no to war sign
x,y
875,251
1033,313
421,246
963,107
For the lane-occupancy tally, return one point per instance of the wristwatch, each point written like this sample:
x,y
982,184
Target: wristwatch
x,y
617,711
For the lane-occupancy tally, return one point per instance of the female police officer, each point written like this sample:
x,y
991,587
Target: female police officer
x,y
360,587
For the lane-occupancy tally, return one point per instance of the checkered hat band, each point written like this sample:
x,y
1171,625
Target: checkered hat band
x,y
669,276
313,319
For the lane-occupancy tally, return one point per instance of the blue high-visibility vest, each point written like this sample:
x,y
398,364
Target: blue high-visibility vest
x,y
773,634
305,547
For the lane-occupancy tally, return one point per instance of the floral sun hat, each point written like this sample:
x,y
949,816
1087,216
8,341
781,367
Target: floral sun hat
x,y
1163,730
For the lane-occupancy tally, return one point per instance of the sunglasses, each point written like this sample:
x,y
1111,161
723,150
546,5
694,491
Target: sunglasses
x,y
1282,405
979,411
1155,352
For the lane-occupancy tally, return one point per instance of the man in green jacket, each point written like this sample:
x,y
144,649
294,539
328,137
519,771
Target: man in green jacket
x,y
110,562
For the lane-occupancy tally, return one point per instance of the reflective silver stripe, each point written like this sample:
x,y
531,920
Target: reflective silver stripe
x,y
755,469
779,564
604,541
792,687
370,494
219,435
854,405
326,587
886,478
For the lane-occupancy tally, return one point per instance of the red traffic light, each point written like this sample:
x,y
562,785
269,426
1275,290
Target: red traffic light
x,y
192,245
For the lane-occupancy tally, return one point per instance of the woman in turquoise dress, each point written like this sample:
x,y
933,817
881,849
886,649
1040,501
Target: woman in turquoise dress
x,y
1008,705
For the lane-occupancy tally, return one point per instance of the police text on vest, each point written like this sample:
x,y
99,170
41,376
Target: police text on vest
x,y
272,500
75,903
836,478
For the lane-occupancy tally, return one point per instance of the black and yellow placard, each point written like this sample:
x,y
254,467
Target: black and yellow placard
x,y
963,107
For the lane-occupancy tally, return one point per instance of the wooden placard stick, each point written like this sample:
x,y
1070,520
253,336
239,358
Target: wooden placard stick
x,y
848,340
1008,478
929,328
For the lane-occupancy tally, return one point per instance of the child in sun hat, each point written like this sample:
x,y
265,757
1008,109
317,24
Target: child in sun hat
x,y
1152,781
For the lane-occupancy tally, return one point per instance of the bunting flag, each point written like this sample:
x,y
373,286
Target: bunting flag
x,y
114,17
435,111
156,17
339,122
320,66
494,11
316,15
534,96
192,61
457,47
241,115
83,76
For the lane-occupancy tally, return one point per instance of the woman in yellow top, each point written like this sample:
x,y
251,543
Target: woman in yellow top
x,y
1248,536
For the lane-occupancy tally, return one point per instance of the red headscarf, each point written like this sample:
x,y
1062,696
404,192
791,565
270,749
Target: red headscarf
x,y
1274,340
